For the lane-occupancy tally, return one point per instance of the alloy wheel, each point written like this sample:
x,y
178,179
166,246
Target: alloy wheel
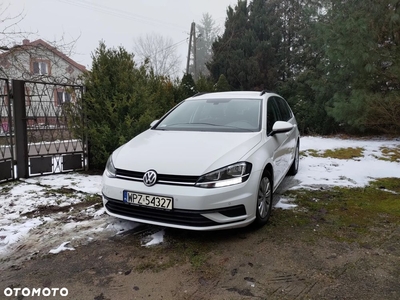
x,y
264,197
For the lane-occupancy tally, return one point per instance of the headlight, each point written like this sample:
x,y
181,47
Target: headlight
x,y
230,175
110,169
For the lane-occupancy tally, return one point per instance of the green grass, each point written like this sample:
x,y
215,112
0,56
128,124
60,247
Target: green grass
x,y
178,251
344,153
348,214
390,154
340,153
153,263
193,250
93,198
391,184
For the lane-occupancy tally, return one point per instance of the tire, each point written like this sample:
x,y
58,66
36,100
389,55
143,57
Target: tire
x,y
294,168
264,200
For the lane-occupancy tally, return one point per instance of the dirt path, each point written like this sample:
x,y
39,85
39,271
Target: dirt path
x,y
279,261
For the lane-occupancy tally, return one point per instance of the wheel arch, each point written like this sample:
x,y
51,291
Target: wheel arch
x,y
262,219
268,169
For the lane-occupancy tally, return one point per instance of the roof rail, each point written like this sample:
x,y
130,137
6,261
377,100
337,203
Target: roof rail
x,y
198,94
264,92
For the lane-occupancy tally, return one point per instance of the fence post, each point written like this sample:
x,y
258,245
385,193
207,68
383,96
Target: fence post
x,y
21,134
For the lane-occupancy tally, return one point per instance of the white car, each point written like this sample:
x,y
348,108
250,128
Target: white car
x,y
212,162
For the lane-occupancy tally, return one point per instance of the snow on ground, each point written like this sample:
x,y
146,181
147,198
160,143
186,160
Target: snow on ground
x,y
60,248
356,172
285,203
155,239
45,214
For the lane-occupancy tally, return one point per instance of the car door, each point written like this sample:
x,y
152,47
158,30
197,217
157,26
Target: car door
x,y
288,139
275,142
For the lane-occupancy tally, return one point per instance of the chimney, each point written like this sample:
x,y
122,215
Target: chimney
x,y
25,41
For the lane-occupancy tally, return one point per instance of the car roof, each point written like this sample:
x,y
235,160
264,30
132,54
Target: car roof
x,y
240,94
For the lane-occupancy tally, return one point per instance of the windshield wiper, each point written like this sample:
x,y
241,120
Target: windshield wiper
x,y
225,126
177,124
211,124
208,124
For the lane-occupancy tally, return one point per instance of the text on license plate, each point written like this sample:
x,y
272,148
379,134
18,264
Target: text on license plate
x,y
148,200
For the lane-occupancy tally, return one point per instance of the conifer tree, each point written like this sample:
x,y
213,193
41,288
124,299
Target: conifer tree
x,y
121,100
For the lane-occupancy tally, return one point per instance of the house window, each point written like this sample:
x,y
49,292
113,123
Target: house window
x,y
40,67
62,97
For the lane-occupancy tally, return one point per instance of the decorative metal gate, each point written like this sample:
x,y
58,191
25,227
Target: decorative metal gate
x,y
6,133
48,127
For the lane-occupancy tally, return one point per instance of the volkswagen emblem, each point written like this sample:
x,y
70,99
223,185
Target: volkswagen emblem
x,y
150,178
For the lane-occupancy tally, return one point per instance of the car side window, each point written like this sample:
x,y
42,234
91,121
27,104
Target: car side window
x,y
286,113
273,114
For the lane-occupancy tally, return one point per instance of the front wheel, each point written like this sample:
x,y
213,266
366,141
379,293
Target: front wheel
x,y
264,200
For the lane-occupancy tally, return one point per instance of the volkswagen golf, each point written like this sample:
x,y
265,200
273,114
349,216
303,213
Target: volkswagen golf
x,y
212,162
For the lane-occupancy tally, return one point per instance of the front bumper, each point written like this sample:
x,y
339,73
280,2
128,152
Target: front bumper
x,y
194,208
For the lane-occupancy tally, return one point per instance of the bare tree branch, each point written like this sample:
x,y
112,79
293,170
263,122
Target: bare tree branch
x,y
10,32
17,52
161,53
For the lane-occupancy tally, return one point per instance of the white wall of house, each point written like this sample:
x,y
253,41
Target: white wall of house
x,y
19,65
40,64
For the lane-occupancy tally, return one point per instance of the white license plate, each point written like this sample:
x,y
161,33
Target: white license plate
x,y
148,200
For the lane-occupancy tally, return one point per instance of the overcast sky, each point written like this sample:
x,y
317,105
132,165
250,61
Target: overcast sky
x,y
117,22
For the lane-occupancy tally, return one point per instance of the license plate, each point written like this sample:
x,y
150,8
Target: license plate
x,y
148,200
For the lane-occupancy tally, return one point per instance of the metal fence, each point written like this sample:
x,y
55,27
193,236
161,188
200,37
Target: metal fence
x,y
43,129
6,133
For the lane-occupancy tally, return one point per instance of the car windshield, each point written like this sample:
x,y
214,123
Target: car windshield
x,y
221,115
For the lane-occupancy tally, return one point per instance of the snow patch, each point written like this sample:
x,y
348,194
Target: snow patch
x,y
121,226
61,248
11,233
156,238
285,203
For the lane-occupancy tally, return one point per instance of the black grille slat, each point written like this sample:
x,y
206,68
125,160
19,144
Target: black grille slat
x,y
160,177
175,216
132,174
178,178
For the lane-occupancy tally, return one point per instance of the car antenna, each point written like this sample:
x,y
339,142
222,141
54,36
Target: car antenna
x,y
198,94
265,91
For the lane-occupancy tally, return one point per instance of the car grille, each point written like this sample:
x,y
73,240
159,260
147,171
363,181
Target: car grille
x,y
192,218
161,178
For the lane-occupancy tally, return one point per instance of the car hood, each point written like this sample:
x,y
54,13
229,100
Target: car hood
x,y
183,152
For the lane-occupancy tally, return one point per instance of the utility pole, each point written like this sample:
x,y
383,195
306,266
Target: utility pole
x,y
194,52
192,37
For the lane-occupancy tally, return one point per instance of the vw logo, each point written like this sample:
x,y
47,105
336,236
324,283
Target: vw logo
x,y
150,178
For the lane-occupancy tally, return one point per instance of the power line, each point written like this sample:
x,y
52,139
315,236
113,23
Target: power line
x,y
170,46
118,13
173,45
126,15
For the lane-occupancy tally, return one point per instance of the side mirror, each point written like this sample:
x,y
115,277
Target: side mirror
x,y
152,124
281,127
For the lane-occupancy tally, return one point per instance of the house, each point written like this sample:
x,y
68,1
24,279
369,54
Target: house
x,y
38,60
50,81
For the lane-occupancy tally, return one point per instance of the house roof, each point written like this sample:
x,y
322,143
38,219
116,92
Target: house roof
x,y
26,44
